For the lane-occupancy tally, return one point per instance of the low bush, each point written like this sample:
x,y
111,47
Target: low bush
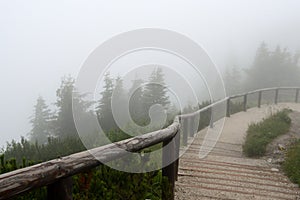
x,y
291,165
260,134
101,182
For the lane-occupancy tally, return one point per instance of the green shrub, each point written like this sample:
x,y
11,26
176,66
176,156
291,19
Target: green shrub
x,y
291,165
236,107
106,183
260,134
101,182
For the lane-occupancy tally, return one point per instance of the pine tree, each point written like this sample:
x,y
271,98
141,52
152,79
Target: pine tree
x,y
104,111
66,95
172,112
119,90
273,69
65,123
233,81
119,104
40,122
155,92
135,101
256,74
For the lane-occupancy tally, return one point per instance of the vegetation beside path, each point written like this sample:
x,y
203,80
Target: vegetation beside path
x,y
291,165
260,134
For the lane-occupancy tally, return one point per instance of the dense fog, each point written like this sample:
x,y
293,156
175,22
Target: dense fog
x,y
255,44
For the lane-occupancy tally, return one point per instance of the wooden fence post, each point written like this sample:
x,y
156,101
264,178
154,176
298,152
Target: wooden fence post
x,y
61,189
297,94
228,108
276,95
259,99
177,148
191,126
185,131
211,123
245,102
169,169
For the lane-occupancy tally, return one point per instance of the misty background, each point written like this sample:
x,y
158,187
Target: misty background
x,y
43,41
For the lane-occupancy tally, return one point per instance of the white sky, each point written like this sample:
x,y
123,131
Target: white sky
x,y
40,41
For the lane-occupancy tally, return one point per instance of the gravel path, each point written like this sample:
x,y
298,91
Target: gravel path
x,y
225,173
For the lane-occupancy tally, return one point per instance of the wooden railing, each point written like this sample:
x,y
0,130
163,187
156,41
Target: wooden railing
x,y
56,174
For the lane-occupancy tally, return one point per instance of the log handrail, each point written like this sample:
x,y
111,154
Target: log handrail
x,y
57,170
45,173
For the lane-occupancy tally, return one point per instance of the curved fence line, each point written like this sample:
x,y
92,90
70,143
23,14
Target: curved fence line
x,y
56,174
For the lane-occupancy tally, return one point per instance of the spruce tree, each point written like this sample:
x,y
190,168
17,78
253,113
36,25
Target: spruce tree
x,y
273,69
155,92
119,104
135,101
233,80
104,111
40,122
66,96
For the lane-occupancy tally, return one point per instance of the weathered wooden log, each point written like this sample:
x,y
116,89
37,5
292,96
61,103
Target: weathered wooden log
x,y
46,173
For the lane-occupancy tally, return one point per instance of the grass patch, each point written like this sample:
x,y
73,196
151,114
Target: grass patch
x,y
291,165
260,134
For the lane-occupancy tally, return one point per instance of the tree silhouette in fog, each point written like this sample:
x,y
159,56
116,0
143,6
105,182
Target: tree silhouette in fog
x,y
155,92
273,69
135,101
104,111
40,122
64,124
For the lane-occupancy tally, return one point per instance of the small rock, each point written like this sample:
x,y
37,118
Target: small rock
x,y
269,160
278,161
281,147
274,170
276,152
